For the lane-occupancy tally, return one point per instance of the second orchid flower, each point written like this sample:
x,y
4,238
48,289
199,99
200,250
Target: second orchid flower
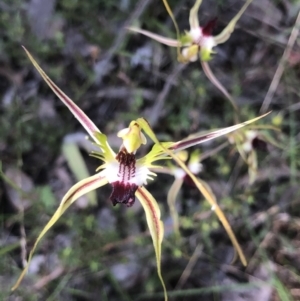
x,y
198,41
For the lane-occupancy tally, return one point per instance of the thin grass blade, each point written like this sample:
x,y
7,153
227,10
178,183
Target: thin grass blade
x,y
175,24
78,167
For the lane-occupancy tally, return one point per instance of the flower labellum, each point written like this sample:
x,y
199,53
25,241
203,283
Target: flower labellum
x,y
124,189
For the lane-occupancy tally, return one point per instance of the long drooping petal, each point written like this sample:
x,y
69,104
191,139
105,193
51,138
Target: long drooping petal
x,y
202,186
155,226
71,196
216,82
210,197
75,110
172,196
200,138
194,21
156,37
228,30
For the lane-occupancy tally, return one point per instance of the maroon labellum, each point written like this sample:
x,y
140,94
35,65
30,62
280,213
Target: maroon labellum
x,y
259,144
187,180
124,190
123,193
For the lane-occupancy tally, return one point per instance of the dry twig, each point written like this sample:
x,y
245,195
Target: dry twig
x,y
280,68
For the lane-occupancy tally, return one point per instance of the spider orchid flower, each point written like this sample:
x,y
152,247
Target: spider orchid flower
x,y
181,177
248,142
198,41
127,174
